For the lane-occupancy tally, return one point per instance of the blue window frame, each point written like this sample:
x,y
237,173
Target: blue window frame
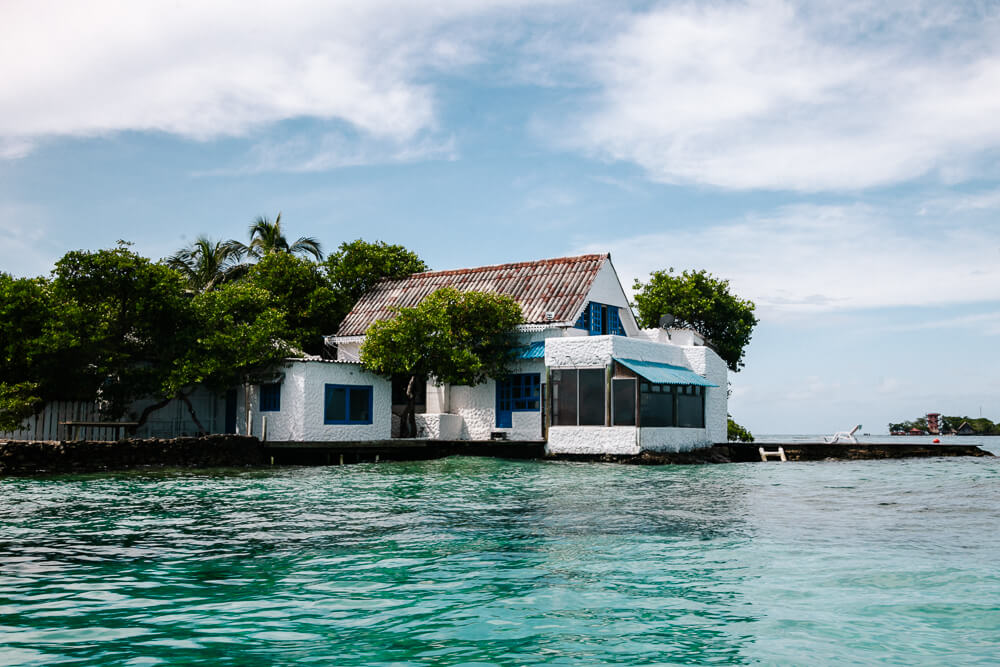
x,y
347,404
270,397
521,392
599,318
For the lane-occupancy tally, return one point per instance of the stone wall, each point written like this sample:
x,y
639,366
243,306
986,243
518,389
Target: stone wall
x,y
18,457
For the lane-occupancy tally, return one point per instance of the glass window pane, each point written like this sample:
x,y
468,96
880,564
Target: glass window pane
x,y
336,404
623,412
592,402
656,409
690,410
359,405
564,397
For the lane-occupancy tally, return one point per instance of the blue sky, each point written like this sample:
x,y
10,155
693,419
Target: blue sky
x,y
836,161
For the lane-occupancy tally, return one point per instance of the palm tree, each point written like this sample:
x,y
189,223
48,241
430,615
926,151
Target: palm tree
x,y
206,263
266,237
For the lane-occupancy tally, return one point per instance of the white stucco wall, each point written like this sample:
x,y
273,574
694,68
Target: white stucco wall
x,y
592,440
439,426
302,394
477,407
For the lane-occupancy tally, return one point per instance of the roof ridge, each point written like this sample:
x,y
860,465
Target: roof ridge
x,y
513,265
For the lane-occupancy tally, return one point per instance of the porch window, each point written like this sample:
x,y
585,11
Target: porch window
x,y
270,397
347,404
671,405
578,397
623,401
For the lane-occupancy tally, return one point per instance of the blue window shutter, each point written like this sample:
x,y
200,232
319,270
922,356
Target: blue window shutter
x,y
614,322
582,322
595,319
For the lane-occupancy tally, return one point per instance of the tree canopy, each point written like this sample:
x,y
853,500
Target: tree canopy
x,y
454,337
112,326
358,265
699,300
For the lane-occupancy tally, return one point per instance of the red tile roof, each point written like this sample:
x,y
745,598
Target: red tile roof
x,y
556,286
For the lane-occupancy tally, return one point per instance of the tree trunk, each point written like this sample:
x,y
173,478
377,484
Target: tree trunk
x,y
148,410
408,420
201,429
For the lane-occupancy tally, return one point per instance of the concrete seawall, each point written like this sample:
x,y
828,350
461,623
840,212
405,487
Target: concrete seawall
x,y
214,451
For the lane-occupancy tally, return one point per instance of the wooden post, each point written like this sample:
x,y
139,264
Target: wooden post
x,y
607,393
547,398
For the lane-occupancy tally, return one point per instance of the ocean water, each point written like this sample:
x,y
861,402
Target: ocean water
x,y
466,561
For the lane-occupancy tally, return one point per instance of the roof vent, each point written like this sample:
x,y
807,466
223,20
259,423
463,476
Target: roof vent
x,y
550,315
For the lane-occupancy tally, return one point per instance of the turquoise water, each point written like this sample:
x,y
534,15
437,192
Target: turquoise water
x,y
468,561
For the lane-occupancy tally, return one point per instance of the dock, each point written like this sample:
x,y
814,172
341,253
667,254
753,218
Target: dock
x,y
843,451
325,452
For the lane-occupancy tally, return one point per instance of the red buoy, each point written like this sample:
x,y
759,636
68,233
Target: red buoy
x,y
936,441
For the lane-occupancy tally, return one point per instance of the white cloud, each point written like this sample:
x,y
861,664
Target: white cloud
x,y
809,259
333,150
776,95
224,68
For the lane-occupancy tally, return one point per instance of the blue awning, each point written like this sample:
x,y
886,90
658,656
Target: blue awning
x,y
658,373
534,351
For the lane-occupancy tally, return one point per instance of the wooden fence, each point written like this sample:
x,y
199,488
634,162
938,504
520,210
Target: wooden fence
x,y
171,421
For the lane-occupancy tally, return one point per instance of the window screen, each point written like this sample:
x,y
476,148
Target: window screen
x,y
690,406
656,405
623,402
592,401
564,397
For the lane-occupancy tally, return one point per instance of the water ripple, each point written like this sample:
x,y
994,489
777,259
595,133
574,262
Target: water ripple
x,y
477,561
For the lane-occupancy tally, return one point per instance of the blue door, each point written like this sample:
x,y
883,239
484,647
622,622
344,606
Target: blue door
x,y
504,404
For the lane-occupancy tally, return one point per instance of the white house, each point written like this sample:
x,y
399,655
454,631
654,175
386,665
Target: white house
x,y
588,380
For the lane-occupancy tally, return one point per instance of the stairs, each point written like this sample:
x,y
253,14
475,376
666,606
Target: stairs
x,y
766,455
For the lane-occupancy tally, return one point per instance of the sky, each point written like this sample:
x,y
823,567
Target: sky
x,y
837,162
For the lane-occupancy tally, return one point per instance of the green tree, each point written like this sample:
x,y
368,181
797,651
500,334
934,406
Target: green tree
x,y
122,320
358,265
738,433
299,289
267,236
455,337
238,329
702,302
25,315
206,264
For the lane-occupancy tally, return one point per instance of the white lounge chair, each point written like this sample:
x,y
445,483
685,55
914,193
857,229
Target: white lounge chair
x,y
844,436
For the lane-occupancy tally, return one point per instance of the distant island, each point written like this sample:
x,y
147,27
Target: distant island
x,y
934,423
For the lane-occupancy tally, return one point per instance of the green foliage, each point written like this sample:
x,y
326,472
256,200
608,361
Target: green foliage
x,y
298,288
267,237
236,328
358,265
947,424
119,319
206,263
17,403
702,302
737,433
455,337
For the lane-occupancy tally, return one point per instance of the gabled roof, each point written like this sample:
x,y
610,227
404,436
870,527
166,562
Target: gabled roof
x,y
556,286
